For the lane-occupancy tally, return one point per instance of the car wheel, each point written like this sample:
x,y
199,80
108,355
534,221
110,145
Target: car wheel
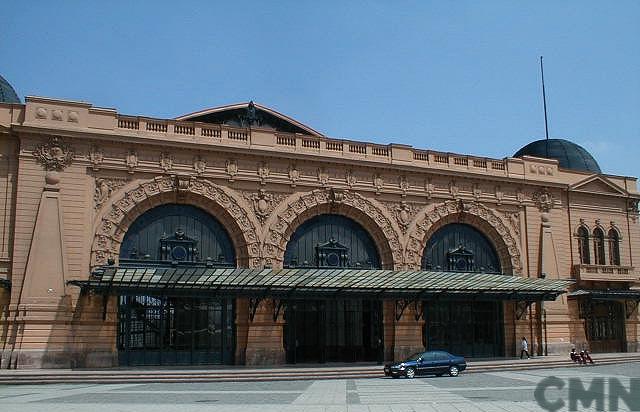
x,y
410,373
453,370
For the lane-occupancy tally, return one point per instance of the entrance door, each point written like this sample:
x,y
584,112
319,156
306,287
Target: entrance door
x,y
605,327
333,331
175,331
466,328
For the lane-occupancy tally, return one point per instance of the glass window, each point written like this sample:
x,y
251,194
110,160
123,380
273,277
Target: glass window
x,y
583,244
598,243
614,248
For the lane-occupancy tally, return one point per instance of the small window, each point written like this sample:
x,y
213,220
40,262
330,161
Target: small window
x,y
614,248
598,245
583,245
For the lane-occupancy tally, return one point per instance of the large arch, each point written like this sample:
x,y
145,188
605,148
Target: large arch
x,y
474,214
222,203
303,206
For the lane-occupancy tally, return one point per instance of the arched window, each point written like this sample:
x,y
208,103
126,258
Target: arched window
x,y
598,245
583,245
614,248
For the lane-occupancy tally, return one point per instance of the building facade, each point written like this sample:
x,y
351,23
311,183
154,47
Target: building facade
x,y
237,235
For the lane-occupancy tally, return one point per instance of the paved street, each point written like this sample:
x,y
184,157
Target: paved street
x,y
495,391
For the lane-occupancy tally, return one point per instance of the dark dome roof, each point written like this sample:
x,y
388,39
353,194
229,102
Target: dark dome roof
x,y
7,94
568,154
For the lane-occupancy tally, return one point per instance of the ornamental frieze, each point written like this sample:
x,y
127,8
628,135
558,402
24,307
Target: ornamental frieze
x,y
105,187
55,154
403,211
263,202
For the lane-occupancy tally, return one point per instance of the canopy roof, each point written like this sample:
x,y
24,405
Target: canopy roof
x,y
291,283
606,294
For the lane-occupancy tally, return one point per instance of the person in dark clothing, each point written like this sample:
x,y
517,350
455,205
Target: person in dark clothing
x,y
584,355
575,357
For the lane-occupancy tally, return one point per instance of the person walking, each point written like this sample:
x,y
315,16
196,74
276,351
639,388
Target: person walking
x,y
524,346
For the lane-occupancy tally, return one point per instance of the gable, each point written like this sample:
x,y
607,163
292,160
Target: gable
x,y
600,185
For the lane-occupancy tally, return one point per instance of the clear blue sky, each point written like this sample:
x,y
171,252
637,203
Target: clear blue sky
x,y
458,76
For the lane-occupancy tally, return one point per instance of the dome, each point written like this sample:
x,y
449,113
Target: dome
x,y
7,93
568,154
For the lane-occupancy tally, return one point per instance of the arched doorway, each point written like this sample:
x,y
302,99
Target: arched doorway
x,y
467,328
173,329
338,329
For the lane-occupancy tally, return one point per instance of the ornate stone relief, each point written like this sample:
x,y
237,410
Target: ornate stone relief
x,y
632,207
105,187
199,165
350,178
111,229
232,169
378,183
166,161
543,199
96,157
131,161
520,196
54,154
403,183
403,212
514,220
263,172
499,195
263,202
476,191
323,176
281,227
294,175
454,190
429,188
417,238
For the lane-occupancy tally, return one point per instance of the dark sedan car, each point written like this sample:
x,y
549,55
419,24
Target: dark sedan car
x,y
427,363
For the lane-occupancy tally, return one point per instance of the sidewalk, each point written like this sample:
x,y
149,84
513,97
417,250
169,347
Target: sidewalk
x,y
288,372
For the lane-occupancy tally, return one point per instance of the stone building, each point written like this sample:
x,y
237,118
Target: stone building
x,y
238,235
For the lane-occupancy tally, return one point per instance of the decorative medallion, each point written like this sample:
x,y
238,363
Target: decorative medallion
x,y
166,161
543,199
378,183
104,188
263,203
96,157
263,172
403,212
54,155
199,165
232,169
350,178
131,160
294,175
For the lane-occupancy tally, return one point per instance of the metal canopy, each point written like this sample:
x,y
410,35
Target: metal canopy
x,y
327,283
606,294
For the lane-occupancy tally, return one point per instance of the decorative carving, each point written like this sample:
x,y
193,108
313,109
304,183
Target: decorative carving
x,y
429,187
232,169
499,195
294,175
418,237
54,155
350,178
263,203
263,172
514,220
56,114
454,190
543,199
104,188
41,113
166,161
323,176
73,116
208,195
378,183
477,192
96,157
199,165
403,183
520,197
131,160
282,225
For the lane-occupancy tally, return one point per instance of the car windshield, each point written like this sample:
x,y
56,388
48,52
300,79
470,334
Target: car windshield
x,y
415,356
